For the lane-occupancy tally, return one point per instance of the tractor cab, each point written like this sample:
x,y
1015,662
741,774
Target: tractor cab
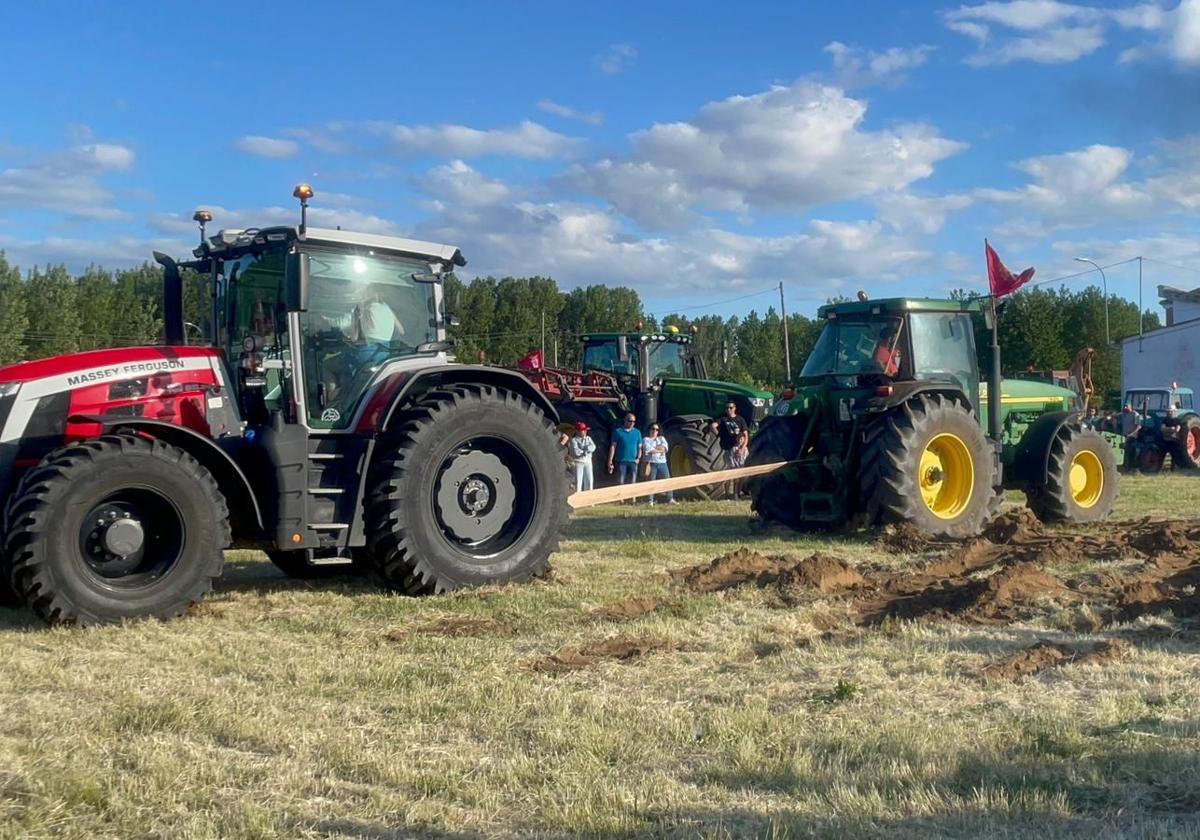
x,y
643,358
1160,403
309,317
874,348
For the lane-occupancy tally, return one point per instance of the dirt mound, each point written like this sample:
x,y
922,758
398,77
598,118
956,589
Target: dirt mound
x,y
821,572
452,627
1155,538
1014,528
607,650
625,610
904,539
1046,654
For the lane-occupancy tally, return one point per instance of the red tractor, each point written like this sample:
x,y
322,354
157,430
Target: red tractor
x,y
323,422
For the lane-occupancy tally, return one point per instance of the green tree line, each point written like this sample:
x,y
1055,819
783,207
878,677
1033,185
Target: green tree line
x,y
48,311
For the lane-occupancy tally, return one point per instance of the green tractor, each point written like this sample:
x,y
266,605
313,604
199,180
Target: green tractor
x,y
887,425
660,377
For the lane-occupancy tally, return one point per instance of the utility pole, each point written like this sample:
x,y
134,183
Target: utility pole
x,y
1104,280
556,349
1141,324
543,336
787,350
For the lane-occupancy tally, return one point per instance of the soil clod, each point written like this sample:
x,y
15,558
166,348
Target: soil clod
x,y
625,610
608,650
1046,654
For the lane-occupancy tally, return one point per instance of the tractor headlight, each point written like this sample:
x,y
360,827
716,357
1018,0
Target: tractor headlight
x,y
9,388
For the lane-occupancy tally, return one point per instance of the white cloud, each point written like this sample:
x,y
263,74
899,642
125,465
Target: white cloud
x,y
67,182
527,140
1072,189
569,113
1049,32
267,147
615,58
908,213
510,232
240,219
1185,37
856,67
787,149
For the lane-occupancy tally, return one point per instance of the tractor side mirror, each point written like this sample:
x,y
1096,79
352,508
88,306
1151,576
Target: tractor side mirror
x,y
296,277
622,348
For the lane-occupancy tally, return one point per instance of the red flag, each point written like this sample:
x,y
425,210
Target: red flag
x,y
534,361
1003,281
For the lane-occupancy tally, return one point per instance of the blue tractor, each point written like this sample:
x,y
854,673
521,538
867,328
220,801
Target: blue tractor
x,y
1170,426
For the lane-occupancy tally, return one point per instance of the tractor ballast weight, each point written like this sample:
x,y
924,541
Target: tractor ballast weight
x,y
888,425
323,422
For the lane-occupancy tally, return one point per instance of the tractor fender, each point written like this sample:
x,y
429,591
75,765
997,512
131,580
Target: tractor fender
x,y
1031,458
436,376
243,503
902,392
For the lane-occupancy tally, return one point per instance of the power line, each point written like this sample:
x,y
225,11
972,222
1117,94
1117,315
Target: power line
x,y
771,290
1083,273
1171,265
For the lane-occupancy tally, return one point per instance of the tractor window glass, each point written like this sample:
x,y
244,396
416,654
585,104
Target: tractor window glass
x,y
943,348
666,359
1184,401
364,310
256,319
849,347
605,356
1148,400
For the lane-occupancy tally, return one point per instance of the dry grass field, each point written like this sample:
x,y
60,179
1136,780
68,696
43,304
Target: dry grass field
x,y
616,700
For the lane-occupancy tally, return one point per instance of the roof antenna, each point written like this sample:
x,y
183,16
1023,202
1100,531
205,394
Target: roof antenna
x,y
203,217
303,192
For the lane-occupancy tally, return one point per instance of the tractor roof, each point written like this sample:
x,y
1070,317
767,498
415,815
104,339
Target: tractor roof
x,y
648,335
232,241
876,307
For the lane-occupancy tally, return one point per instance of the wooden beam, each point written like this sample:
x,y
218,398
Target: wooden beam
x,y
605,495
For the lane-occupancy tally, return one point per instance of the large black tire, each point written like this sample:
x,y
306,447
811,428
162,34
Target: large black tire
x,y
772,496
693,449
1081,479
295,564
88,500
1150,459
928,463
1185,452
458,449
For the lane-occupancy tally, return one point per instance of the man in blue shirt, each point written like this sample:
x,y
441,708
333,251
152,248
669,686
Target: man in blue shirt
x,y
626,450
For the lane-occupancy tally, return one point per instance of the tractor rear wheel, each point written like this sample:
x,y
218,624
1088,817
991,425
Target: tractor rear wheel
x,y
929,464
692,450
472,492
1081,479
116,528
1186,451
772,496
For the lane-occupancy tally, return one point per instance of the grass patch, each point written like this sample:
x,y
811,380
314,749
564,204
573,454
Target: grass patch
x,y
285,709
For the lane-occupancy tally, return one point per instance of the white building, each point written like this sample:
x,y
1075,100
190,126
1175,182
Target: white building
x,y
1170,354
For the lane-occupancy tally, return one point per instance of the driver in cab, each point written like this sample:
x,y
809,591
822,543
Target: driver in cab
x,y
370,327
887,354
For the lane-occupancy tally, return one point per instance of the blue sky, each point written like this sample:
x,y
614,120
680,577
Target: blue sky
x,y
695,151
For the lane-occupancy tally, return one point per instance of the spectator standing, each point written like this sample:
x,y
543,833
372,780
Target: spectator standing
x,y
580,449
654,450
1128,424
734,432
1092,419
625,451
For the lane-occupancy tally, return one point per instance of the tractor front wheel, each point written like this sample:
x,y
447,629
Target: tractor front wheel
x,y
1150,459
116,528
929,463
1081,479
773,496
472,492
692,450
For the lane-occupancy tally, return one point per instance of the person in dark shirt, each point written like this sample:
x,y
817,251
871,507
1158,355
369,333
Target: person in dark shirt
x,y
734,433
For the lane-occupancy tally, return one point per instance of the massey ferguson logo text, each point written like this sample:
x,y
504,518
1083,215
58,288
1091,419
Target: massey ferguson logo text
x,y
124,370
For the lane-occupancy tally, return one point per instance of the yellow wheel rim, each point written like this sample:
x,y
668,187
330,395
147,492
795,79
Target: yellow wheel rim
x,y
680,461
947,476
1086,478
